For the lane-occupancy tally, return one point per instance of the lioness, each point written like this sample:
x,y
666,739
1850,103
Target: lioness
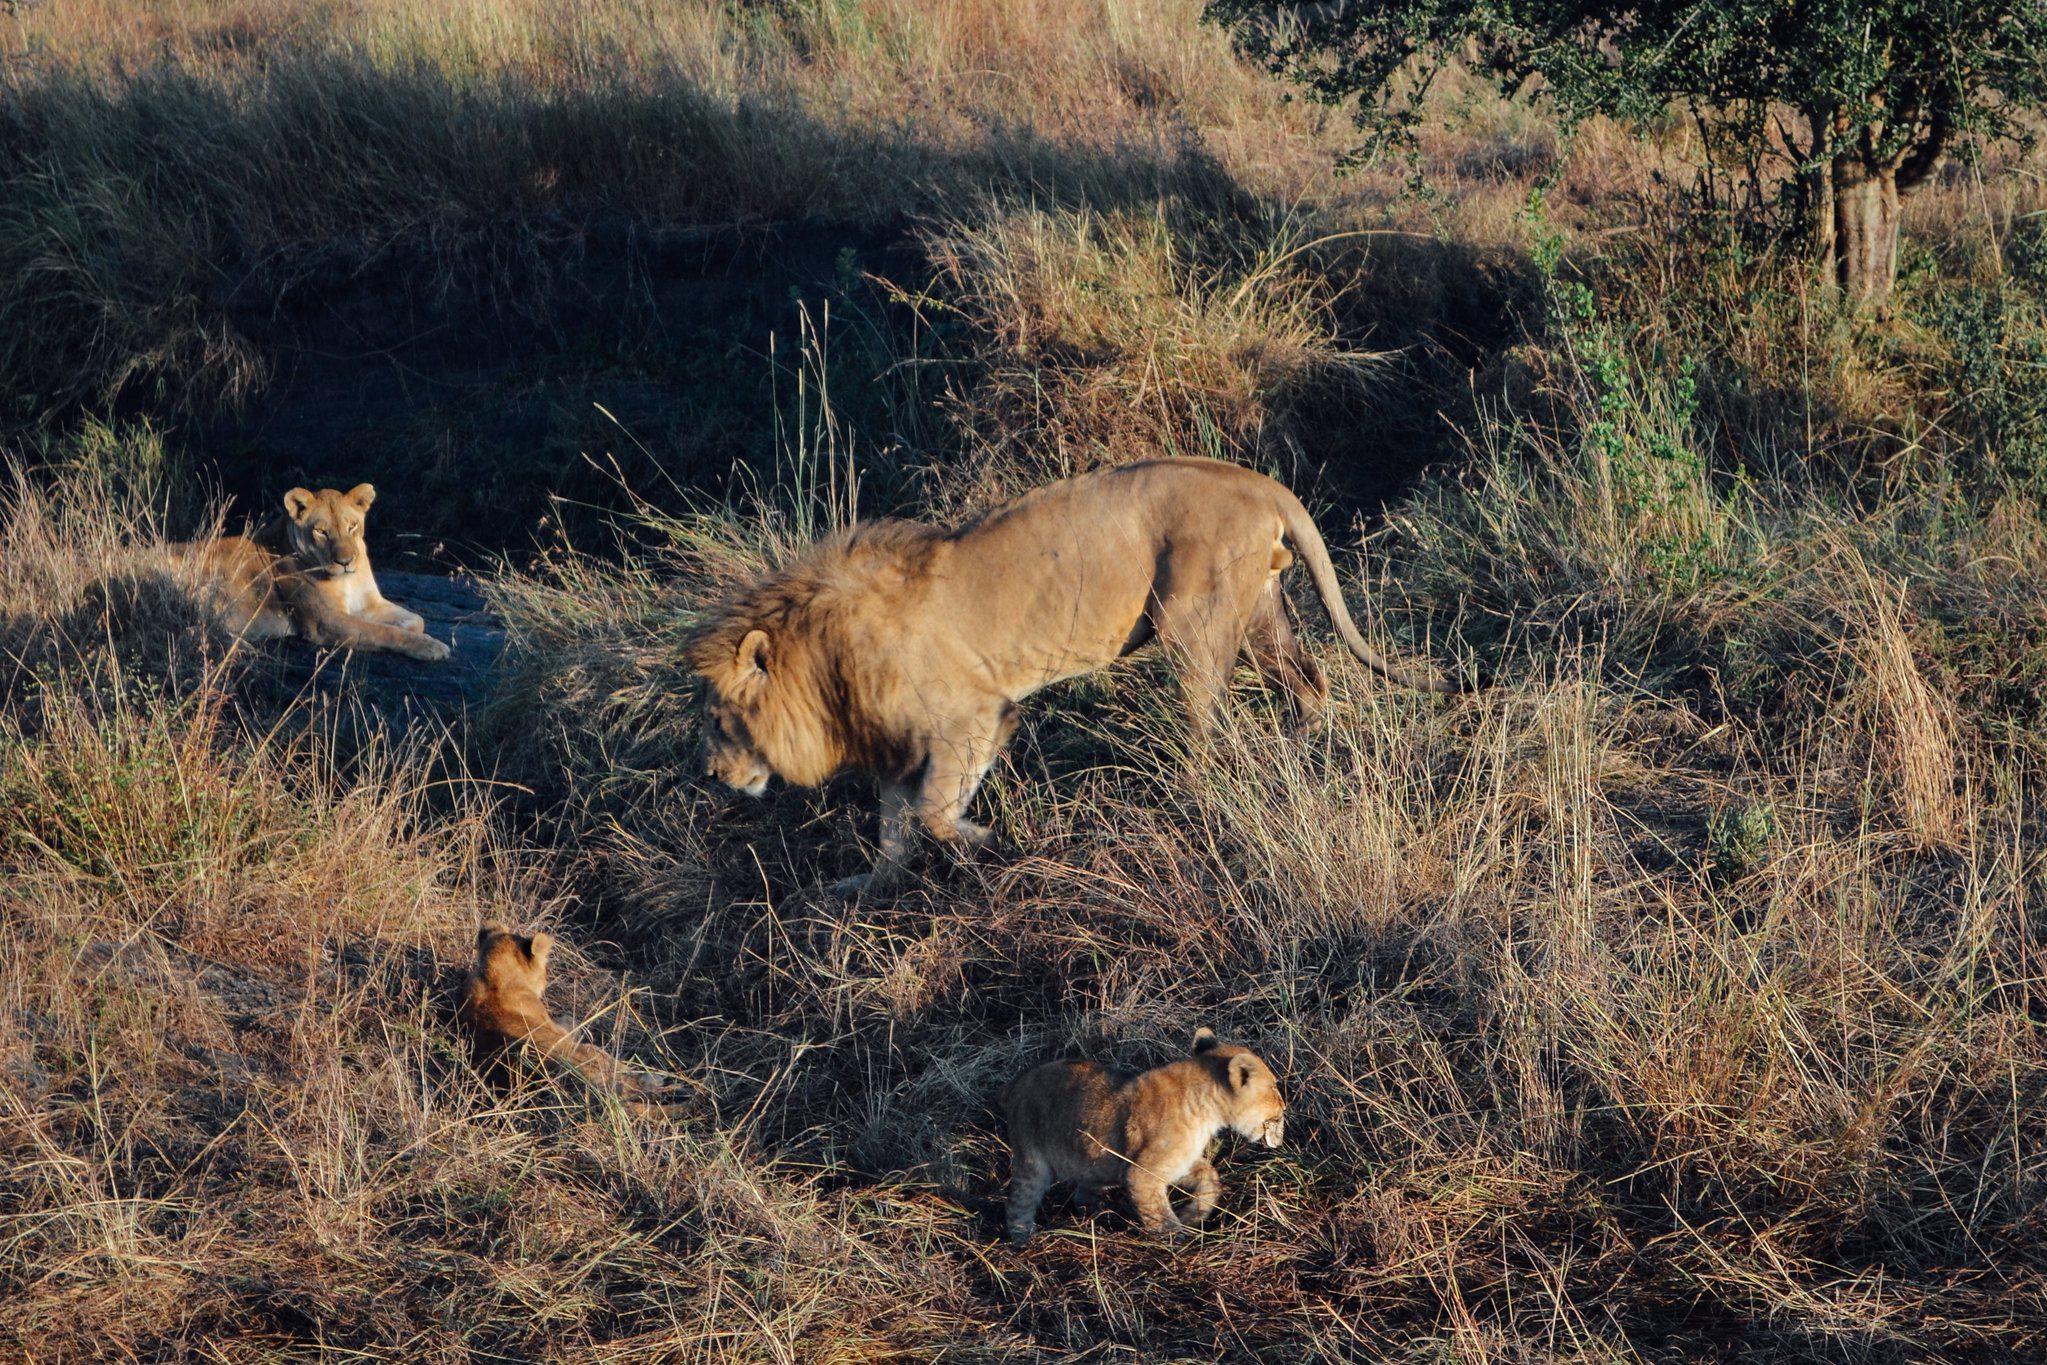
x,y
308,573
1148,1131
903,648
502,1008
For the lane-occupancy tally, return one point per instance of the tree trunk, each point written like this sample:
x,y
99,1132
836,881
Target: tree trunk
x,y
1864,250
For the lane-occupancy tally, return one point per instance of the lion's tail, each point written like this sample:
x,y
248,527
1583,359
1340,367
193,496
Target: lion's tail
x,y
1301,530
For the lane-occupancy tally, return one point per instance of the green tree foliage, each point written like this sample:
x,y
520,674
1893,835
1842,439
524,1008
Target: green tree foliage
x,y
1864,97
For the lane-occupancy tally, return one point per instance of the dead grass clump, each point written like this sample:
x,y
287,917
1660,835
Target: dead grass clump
x,y
1915,739
1124,336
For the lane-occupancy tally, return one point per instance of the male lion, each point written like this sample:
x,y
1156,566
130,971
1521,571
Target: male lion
x,y
308,573
903,648
1147,1131
502,1008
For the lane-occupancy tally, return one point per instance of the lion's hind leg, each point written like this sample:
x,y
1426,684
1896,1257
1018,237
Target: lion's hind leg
x,y
1203,636
1277,653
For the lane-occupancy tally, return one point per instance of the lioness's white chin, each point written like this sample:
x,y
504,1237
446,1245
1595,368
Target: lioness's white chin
x,y
756,788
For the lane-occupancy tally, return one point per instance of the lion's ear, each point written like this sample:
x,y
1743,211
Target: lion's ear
x,y
538,947
753,653
1240,1071
1204,1040
297,503
362,495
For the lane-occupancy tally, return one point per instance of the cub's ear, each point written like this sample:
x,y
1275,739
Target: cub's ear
x,y
538,947
753,653
297,503
490,933
362,495
1204,1040
1241,1070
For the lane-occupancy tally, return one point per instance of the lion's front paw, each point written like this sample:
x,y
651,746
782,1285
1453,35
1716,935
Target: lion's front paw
x,y
1167,1229
429,650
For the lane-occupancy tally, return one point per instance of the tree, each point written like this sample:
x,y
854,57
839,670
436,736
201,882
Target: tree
x,y
1863,96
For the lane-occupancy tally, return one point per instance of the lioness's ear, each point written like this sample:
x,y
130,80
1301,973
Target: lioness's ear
x,y
362,495
1240,1071
753,652
297,503
1204,1040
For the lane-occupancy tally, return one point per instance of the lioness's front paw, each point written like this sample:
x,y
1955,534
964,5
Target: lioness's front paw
x,y
429,650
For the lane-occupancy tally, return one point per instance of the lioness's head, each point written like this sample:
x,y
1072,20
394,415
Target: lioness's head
x,y
506,961
1256,1110
326,527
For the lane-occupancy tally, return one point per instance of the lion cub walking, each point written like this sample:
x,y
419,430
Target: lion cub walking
x,y
1100,1127
308,573
502,1008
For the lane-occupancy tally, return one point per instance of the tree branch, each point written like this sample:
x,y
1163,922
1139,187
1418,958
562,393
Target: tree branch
x,y
1918,161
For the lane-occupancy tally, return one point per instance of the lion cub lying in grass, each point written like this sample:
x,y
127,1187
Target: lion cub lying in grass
x,y
502,1009
1100,1127
308,573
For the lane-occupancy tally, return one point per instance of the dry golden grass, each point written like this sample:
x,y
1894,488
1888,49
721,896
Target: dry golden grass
x,y
1673,998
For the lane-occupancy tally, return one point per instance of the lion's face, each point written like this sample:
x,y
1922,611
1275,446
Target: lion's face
x,y
731,702
729,753
327,526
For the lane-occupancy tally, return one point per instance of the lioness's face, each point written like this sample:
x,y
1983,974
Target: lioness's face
x,y
326,527
729,753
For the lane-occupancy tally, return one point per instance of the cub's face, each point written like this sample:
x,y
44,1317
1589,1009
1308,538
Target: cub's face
x,y
327,526
1260,1113
1257,1110
731,754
